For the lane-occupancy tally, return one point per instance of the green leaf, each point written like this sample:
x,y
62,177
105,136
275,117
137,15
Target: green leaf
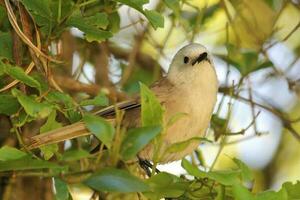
x,y
49,150
114,22
224,177
166,185
218,122
10,153
27,163
40,10
5,24
181,146
62,8
293,190
77,154
99,100
271,195
92,26
39,77
151,110
60,98
66,100
103,130
99,20
8,104
176,117
136,139
245,171
228,177
2,68
73,115
241,193
221,192
245,60
61,189
219,125
263,64
3,14
51,124
6,45
136,4
154,17
21,118
192,169
288,191
19,74
115,180
38,7
174,6
31,106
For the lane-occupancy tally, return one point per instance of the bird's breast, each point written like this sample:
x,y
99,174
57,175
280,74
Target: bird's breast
x,y
197,106
193,100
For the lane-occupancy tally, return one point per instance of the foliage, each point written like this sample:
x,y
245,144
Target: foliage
x,y
51,95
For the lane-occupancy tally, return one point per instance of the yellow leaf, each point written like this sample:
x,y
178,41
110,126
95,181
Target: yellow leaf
x,y
158,37
286,22
214,31
252,24
202,4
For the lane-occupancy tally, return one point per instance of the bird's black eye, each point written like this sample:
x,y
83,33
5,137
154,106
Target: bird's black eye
x,y
186,59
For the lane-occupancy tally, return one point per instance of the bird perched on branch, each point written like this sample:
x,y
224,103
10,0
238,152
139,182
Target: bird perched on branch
x,y
190,87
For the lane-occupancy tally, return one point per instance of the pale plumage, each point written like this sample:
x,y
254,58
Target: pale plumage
x,y
190,87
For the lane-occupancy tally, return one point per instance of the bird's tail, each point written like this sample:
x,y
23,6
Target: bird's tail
x,y
77,129
65,133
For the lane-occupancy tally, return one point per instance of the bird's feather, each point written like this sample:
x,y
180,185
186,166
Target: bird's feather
x,y
189,88
132,118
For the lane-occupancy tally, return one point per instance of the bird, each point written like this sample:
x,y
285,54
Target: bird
x,y
190,87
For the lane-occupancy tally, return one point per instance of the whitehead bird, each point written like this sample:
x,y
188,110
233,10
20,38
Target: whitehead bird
x,y
189,87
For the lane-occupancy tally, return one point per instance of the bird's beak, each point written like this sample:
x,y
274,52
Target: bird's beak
x,y
200,58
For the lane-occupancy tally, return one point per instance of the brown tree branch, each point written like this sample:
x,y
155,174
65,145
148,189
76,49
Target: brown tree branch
x,y
25,39
26,26
101,65
144,60
72,85
132,59
17,46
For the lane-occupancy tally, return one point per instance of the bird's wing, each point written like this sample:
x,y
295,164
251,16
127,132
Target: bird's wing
x,y
160,88
124,105
79,129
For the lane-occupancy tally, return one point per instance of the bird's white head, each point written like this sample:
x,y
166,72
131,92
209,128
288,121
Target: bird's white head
x,y
192,62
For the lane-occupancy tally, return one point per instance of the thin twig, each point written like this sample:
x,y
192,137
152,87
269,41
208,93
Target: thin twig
x,y
26,40
286,121
15,82
241,132
286,37
252,106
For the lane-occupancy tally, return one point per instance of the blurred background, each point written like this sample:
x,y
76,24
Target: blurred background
x,y
255,46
